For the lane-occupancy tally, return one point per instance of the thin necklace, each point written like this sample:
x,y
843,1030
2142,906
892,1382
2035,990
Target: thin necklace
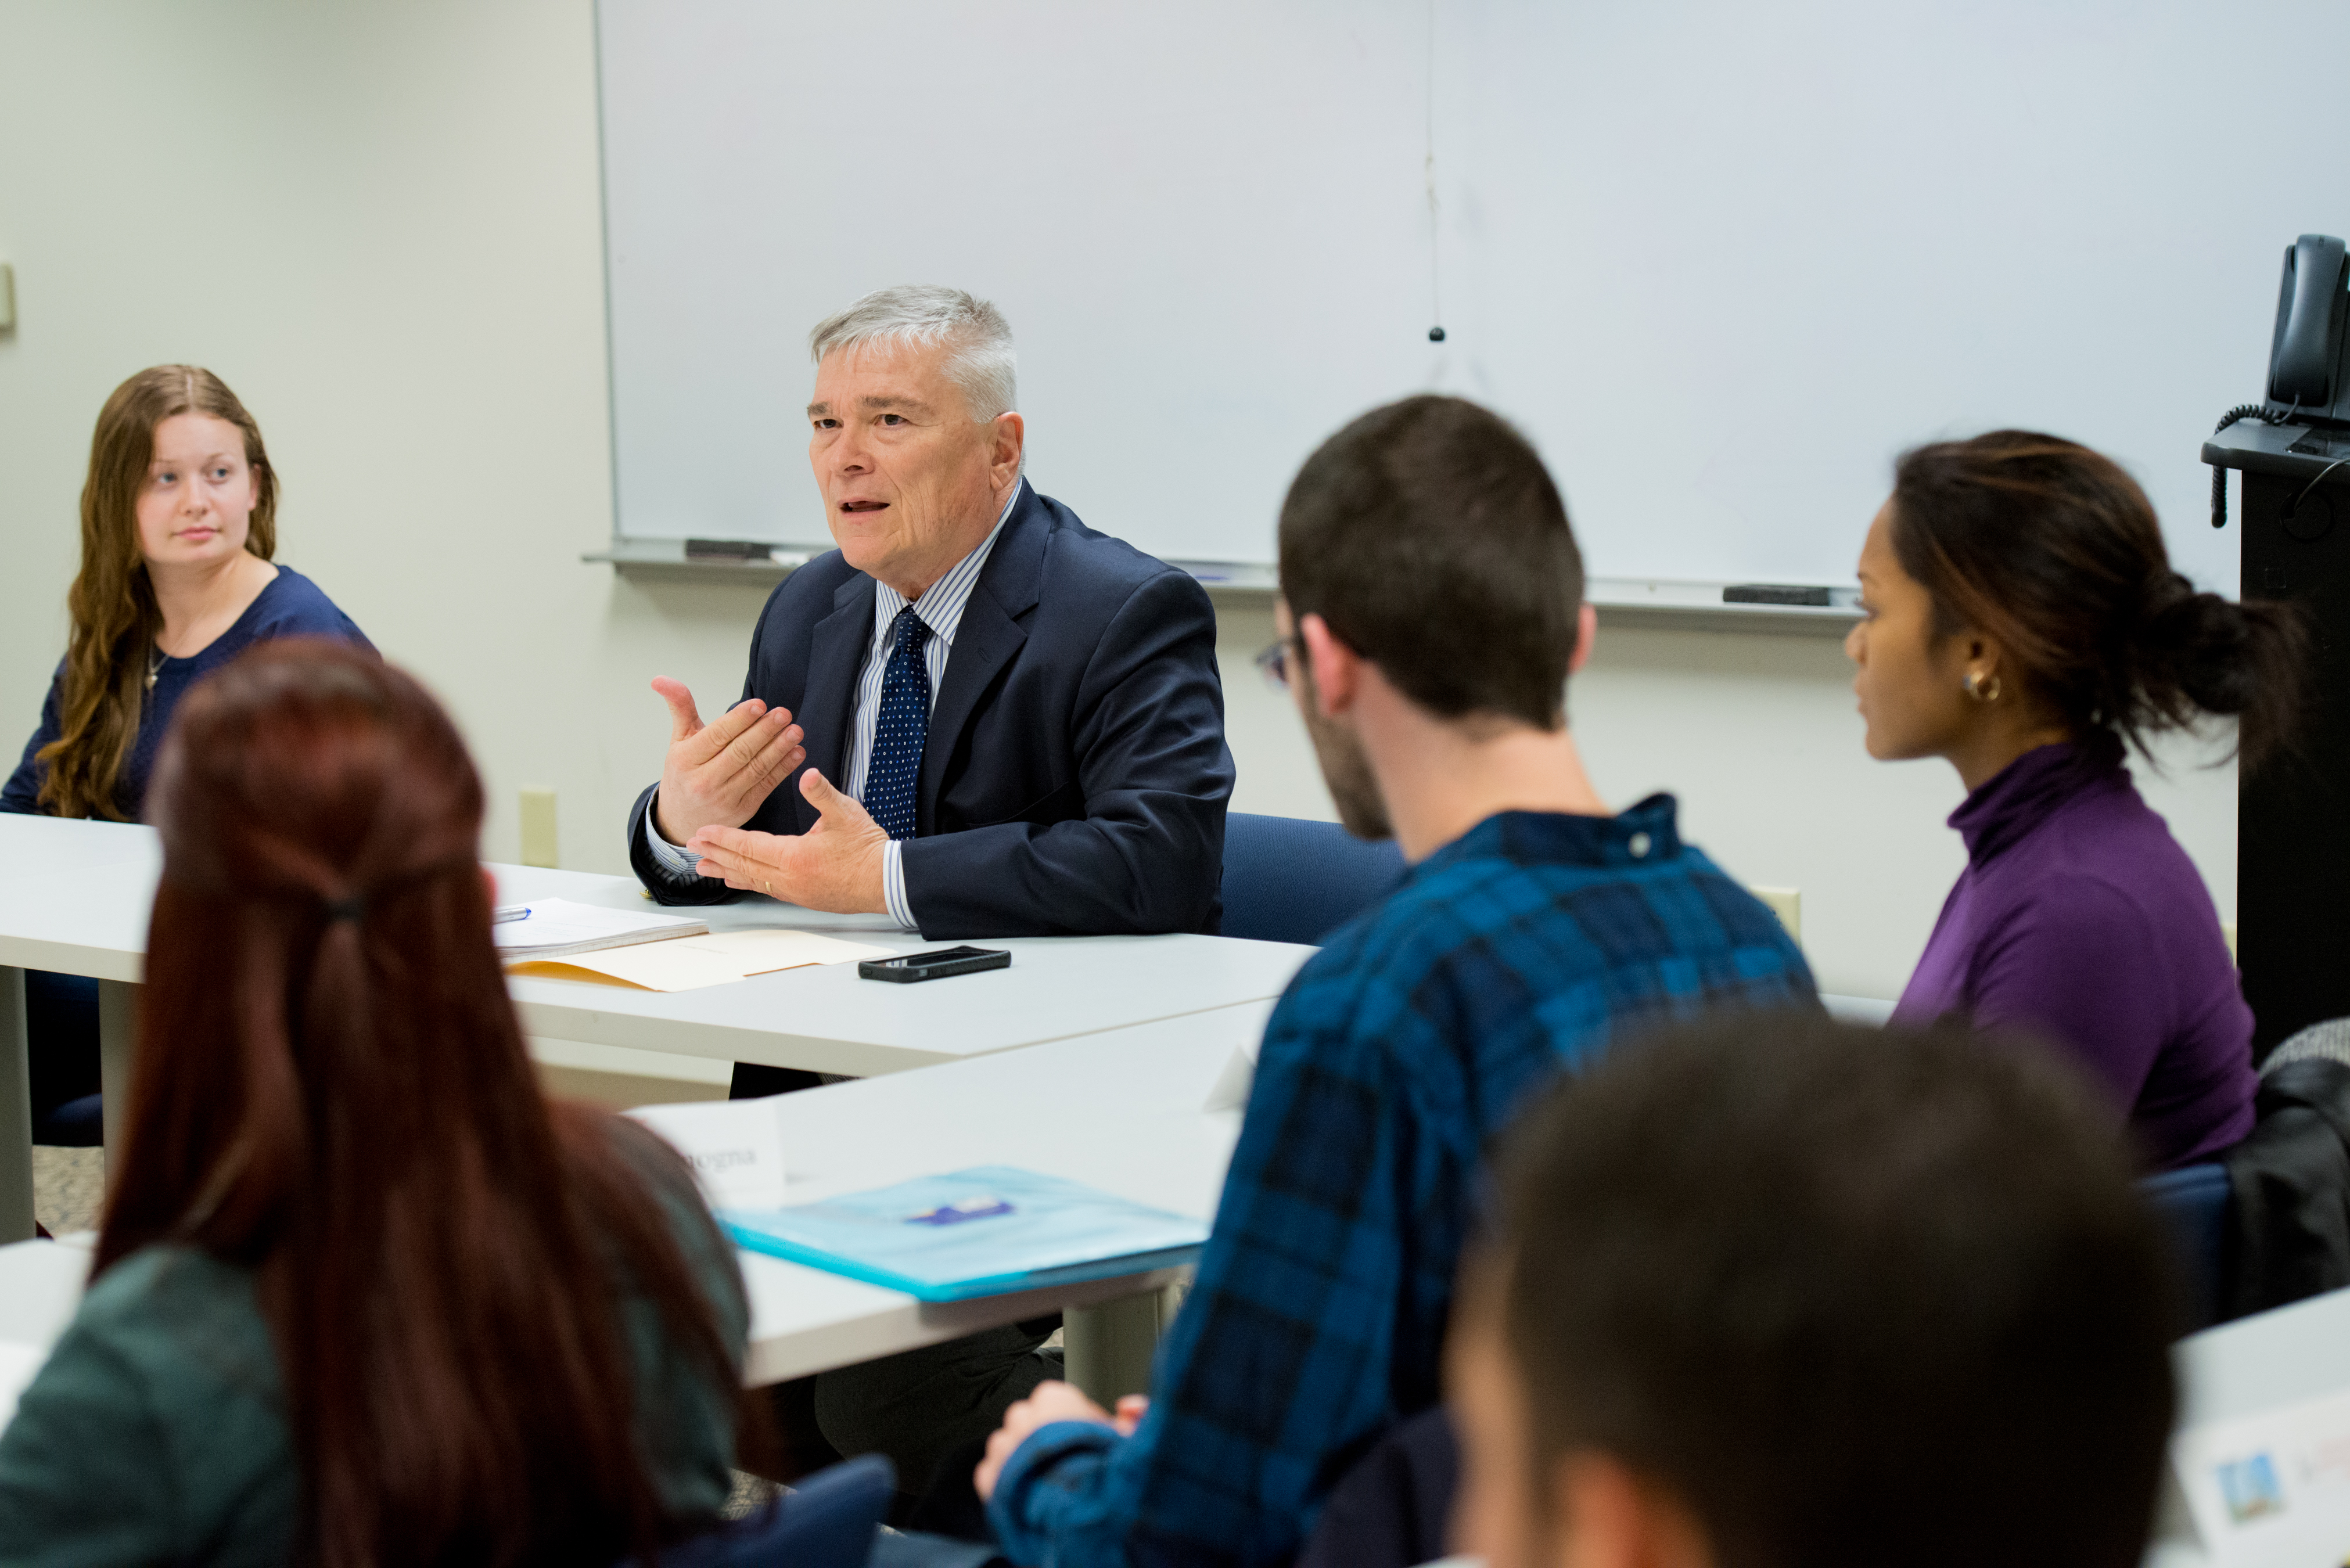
x,y
157,658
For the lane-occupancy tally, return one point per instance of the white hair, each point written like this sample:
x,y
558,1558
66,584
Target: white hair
x,y
925,314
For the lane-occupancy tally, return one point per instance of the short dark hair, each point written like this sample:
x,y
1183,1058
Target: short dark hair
x,y
2052,549
1855,1296
1430,539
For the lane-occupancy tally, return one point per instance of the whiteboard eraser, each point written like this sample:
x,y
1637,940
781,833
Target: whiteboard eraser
x,y
1774,594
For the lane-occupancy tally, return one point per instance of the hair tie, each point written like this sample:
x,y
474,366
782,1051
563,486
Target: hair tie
x,y
350,909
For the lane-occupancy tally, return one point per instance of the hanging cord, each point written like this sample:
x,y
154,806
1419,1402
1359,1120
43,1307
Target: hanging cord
x,y
2294,504
2219,475
1435,287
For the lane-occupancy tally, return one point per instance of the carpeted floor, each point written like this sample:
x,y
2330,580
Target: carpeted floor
x,y
69,1187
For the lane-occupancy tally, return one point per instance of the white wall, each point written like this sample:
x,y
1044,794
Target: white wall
x,y
1758,737
379,224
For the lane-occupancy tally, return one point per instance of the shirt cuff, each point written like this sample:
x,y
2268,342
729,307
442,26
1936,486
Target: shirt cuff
x,y
893,883
1053,1463
673,860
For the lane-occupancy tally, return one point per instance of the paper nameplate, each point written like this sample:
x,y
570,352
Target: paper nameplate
x,y
689,964
18,1364
1230,1092
735,1147
2271,1488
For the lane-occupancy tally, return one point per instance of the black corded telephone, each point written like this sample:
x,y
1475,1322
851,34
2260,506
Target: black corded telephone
x,y
2309,383
2293,814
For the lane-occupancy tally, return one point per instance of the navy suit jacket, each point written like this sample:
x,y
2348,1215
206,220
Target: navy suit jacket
x,y
1075,775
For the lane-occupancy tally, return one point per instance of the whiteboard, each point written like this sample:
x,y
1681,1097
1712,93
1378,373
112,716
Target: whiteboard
x,y
1721,261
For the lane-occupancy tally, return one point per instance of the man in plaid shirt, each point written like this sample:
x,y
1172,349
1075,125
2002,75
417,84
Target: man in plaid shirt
x,y
1433,611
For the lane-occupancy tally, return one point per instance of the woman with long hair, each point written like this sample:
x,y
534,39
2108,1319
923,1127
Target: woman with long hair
x,y
362,1296
2021,621
179,521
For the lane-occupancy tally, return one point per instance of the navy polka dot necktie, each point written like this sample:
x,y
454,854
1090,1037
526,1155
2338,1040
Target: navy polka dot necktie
x,y
895,772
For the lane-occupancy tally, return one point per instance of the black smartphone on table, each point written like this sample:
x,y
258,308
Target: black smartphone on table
x,y
908,968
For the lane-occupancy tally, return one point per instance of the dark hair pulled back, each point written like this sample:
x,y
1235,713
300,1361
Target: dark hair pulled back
x,y
2055,551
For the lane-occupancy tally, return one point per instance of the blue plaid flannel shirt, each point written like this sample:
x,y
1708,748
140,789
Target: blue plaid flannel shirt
x,y
1529,944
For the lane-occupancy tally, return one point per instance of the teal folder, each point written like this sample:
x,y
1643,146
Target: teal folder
x,y
977,1232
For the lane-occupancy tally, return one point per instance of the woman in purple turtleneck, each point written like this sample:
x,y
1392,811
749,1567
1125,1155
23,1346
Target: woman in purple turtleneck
x,y
2021,622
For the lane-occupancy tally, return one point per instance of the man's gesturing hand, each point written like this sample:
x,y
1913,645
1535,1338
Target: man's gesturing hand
x,y
834,866
721,772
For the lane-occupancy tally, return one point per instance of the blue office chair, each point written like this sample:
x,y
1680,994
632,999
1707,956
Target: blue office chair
x,y
2194,1205
1287,879
829,1521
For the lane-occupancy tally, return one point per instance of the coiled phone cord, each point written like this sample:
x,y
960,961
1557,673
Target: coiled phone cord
x,y
2219,475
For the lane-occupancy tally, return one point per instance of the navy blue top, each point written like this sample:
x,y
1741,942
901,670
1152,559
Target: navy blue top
x,y
291,606
1531,944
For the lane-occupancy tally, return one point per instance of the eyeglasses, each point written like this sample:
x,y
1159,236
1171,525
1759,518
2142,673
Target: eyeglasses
x,y
1273,663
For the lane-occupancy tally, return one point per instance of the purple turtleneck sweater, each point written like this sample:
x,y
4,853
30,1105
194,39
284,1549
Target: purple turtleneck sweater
x,y
2079,919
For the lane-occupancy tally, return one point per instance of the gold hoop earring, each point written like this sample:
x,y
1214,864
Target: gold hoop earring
x,y
1980,690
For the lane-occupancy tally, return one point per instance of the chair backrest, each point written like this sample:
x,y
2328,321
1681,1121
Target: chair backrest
x,y
828,1522
2328,1040
1287,879
1394,1508
2194,1203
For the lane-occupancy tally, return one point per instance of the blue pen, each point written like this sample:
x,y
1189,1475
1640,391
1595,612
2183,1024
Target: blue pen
x,y
510,912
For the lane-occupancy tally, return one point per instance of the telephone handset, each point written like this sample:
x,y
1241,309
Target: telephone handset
x,y
2309,381
2305,358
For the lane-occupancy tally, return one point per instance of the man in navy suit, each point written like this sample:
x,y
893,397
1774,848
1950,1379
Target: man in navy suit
x,y
991,719
992,722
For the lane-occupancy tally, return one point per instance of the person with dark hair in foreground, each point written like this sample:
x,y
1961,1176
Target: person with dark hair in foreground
x,y
2022,622
1432,610
1776,1290
362,1296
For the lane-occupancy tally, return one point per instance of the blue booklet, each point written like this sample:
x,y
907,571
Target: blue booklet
x,y
976,1232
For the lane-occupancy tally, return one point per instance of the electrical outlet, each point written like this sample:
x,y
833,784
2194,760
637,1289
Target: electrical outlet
x,y
7,298
539,827
1787,903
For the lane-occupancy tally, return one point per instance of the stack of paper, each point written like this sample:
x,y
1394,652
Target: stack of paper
x,y
689,961
557,928
976,1232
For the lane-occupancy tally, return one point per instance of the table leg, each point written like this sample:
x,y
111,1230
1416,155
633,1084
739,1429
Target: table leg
x,y
1107,1348
15,1111
118,1038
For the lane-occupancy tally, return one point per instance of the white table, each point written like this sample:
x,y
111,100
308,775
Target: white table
x,y
2249,1368
74,898
1124,1110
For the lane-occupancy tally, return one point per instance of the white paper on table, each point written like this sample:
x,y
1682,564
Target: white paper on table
x,y
18,1363
2263,1485
735,1147
556,927
688,963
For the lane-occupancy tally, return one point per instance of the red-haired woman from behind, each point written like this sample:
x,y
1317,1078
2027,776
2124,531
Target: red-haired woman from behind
x,y
362,1296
